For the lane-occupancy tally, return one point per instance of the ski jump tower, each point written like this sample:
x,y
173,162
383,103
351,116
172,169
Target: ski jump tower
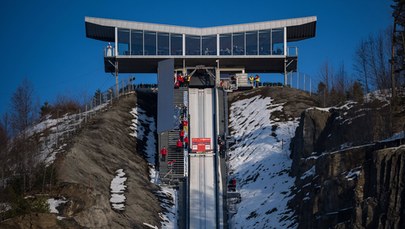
x,y
209,55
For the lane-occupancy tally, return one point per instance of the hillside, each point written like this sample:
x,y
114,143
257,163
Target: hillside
x,y
86,171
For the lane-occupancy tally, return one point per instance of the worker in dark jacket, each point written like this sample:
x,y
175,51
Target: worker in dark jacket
x,y
232,185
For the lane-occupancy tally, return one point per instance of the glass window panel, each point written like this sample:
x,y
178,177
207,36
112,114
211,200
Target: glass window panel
x,y
277,41
123,41
238,44
150,43
176,43
209,45
163,44
193,45
251,43
136,42
264,42
225,44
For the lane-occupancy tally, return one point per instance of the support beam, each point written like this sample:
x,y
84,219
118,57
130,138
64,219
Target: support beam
x,y
117,93
217,74
285,72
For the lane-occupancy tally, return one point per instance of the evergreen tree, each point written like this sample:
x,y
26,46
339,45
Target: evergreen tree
x,y
398,46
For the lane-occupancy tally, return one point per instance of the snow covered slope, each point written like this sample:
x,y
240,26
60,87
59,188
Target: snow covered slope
x,y
260,162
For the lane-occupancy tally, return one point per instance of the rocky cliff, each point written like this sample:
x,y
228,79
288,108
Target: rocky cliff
x,y
346,177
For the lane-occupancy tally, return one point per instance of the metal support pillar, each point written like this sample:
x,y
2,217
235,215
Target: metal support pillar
x,y
184,67
285,72
115,65
117,93
217,75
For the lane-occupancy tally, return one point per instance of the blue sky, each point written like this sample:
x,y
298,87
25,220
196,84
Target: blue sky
x,y
45,41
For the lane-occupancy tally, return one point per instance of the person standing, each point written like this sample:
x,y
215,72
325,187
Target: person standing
x,y
185,142
181,135
179,144
257,81
109,49
185,124
163,152
251,80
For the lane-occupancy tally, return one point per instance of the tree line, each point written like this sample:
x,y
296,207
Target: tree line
x,y
378,64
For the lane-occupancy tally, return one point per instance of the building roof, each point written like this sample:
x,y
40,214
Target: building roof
x,y
104,29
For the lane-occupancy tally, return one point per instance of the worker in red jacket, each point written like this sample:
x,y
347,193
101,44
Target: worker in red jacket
x,y
185,124
163,152
179,144
181,135
186,142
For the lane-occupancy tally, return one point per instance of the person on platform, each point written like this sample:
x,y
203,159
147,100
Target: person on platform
x,y
257,81
185,124
187,79
181,135
163,152
251,80
232,185
179,144
186,142
180,79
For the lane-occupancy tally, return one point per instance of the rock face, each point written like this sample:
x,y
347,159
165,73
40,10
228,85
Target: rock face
x,y
339,185
382,204
312,124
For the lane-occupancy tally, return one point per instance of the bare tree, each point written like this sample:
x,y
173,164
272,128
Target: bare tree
x,y
326,76
22,107
361,59
322,93
22,112
371,60
340,79
4,142
383,52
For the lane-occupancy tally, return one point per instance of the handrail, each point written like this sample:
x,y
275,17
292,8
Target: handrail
x,y
292,51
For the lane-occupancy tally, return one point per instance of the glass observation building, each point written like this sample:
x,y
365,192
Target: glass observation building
x,y
261,47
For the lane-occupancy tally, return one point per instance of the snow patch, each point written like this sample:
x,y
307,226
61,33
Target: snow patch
x,y
309,173
353,174
143,128
4,207
54,203
260,162
118,188
169,217
396,136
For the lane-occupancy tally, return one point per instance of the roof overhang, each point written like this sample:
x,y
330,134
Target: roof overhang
x,y
104,29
